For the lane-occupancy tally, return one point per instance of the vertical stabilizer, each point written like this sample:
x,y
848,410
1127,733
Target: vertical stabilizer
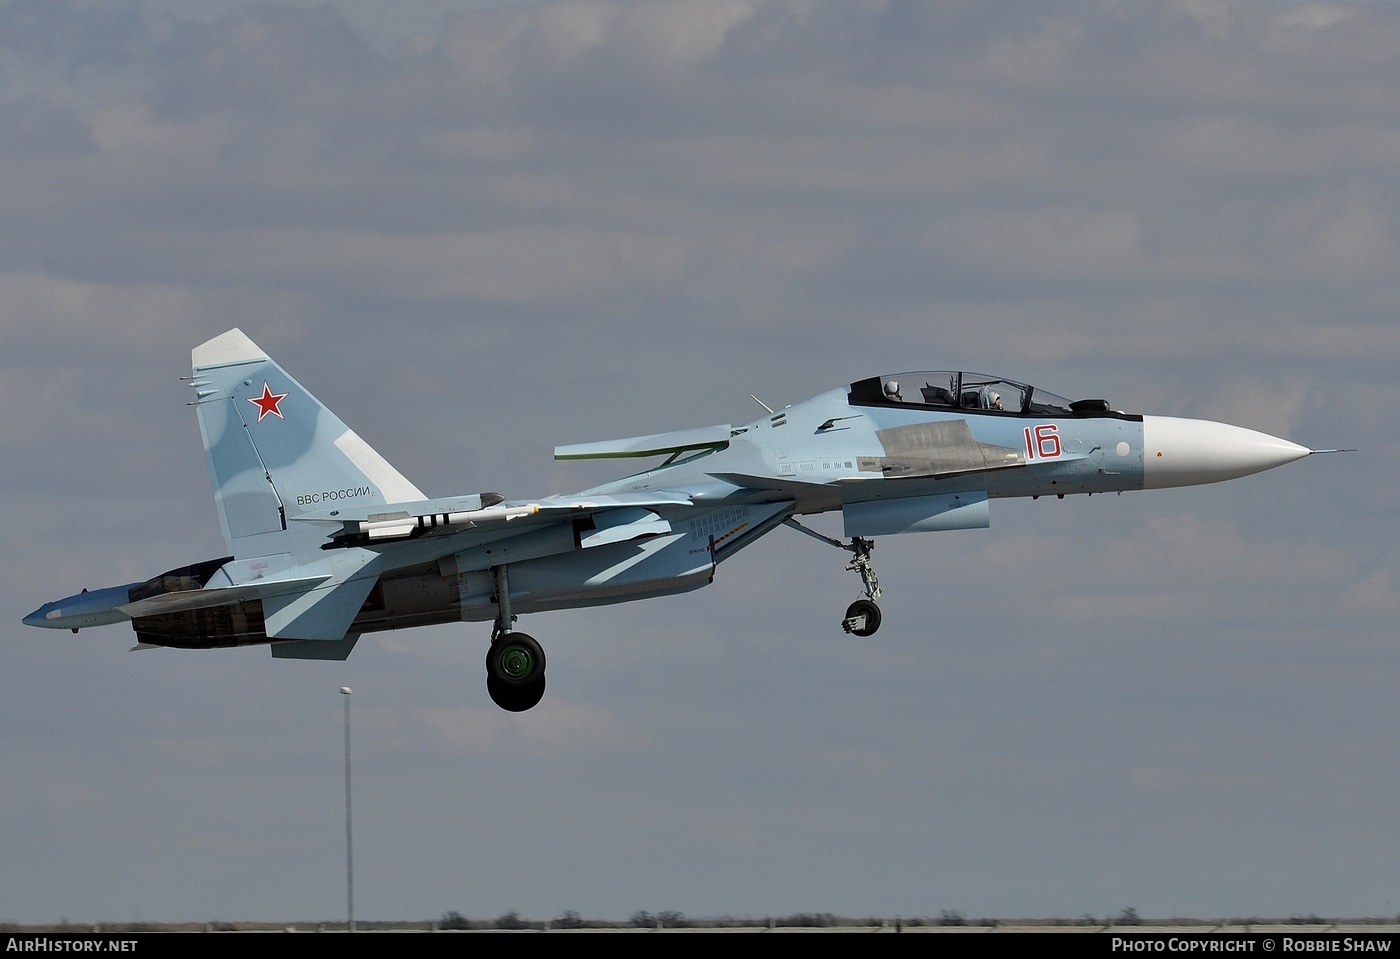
x,y
275,452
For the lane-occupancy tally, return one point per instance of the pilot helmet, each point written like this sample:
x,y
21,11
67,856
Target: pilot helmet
x,y
892,389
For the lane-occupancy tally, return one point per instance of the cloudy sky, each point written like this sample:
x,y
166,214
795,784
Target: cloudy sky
x,y
477,230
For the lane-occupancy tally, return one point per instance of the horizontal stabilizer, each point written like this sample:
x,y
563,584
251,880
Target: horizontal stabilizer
x,y
657,444
337,650
187,599
323,613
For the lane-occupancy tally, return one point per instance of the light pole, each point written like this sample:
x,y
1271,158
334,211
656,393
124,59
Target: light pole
x,y
349,845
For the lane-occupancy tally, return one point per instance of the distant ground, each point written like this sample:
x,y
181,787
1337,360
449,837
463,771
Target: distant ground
x,y
1311,925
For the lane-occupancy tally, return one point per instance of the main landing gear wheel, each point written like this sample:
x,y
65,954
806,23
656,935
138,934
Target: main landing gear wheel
x,y
516,659
862,618
515,671
515,699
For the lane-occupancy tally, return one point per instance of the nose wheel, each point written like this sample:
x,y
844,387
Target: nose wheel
x,y
862,616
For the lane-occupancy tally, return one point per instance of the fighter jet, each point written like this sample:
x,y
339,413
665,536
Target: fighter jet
x,y
328,541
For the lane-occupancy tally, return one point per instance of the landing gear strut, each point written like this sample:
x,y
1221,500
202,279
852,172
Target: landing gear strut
x,y
862,616
515,662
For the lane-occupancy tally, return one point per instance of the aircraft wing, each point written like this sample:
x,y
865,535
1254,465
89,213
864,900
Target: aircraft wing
x,y
780,484
415,519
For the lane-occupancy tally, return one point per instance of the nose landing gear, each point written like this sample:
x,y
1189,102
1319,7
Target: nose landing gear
x,y
862,616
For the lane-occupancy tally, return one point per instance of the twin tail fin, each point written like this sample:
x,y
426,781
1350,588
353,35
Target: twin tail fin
x,y
275,452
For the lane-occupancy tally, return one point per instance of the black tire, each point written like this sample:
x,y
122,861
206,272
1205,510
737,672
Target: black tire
x,y
515,699
868,609
515,659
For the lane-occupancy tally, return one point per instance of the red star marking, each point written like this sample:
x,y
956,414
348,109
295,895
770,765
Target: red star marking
x,y
267,403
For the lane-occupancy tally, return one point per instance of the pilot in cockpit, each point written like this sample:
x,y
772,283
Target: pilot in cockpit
x,y
983,398
892,391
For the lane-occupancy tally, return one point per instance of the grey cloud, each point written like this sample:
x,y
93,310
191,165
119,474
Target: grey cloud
x,y
264,59
69,35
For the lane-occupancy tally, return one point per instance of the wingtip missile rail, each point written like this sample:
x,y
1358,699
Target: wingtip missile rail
x,y
400,524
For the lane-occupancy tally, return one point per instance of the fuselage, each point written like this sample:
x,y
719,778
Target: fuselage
x,y
909,452
859,444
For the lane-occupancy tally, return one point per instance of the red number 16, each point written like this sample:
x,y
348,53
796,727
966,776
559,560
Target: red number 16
x,y
1042,441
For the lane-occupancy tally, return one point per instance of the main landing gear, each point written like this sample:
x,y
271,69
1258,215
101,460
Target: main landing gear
x,y
862,616
515,661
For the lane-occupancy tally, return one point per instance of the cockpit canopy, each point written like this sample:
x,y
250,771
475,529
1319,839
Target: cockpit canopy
x,y
959,390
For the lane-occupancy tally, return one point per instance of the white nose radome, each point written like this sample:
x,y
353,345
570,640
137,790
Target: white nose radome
x,y
1179,452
